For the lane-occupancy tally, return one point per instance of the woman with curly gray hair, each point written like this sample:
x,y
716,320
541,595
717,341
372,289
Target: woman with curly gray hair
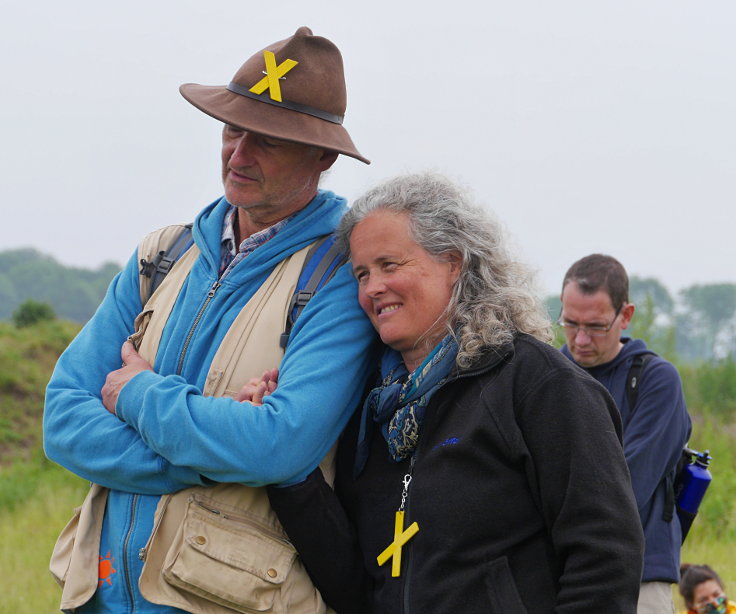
x,y
484,472
493,298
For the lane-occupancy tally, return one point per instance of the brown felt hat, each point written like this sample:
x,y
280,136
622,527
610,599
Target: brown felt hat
x,y
292,90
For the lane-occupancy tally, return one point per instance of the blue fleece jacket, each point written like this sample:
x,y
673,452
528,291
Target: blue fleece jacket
x,y
655,431
166,435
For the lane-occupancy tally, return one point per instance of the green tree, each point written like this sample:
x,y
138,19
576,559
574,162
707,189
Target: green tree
x,y
8,297
553,304
73,292
710,308
642,287
32,312
649,325
643,323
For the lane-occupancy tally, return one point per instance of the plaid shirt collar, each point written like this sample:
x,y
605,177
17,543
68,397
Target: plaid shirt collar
x,y
229,256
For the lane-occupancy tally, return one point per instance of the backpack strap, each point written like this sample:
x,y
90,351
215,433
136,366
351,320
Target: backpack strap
x,y
322,261
674,485
158,252
632,380
161,249
632,393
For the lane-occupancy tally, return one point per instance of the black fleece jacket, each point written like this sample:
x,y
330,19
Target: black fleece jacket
x,y
520,490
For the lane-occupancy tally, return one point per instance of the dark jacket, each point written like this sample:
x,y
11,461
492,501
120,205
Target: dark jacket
x,y
655,431
520,491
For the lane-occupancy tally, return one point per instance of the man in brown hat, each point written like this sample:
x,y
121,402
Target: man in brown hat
x,y
176,519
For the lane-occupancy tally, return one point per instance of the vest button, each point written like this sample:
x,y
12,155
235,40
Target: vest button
x,y
201,540
272,573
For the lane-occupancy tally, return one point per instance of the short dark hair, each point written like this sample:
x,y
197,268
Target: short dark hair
x,y
691,576
600,272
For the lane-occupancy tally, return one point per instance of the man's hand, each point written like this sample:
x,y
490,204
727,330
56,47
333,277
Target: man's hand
x,y
256,388
133,364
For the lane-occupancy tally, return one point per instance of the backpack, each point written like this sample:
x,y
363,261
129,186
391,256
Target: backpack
x,y
673,479
323,259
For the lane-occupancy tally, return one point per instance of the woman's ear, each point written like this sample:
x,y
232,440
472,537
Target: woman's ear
x,y
455,260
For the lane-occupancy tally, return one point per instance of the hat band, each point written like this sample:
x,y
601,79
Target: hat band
x,y
286,104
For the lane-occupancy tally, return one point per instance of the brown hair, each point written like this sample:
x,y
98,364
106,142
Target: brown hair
x,y
691,576
600,272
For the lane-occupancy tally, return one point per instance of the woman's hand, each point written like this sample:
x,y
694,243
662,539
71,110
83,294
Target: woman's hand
x,y
257,388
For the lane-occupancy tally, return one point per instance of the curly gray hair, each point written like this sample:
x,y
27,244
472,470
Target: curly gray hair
x,y
493,297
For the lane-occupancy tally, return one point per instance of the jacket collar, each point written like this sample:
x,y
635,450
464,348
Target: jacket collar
x,y
490,358
320,217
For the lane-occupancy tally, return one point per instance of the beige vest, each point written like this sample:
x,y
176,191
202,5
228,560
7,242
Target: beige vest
x,y
219,549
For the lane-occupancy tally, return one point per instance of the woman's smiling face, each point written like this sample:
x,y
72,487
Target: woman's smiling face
x,y
402,287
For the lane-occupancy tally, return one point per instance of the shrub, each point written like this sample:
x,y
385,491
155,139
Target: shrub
x,y
32,312
711,387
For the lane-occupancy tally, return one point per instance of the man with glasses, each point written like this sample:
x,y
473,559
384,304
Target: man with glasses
x,y
595,310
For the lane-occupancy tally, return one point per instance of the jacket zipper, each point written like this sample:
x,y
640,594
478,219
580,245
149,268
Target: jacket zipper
x,y
409,555
210,296
405,582
126,543
142,553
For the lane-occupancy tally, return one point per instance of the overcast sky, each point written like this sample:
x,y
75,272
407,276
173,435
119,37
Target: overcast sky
x,y
587,125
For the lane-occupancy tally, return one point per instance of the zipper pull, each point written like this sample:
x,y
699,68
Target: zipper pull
x,y
142,554
213,289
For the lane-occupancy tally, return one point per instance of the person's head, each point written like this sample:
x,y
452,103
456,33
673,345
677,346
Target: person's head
x,y
283,114
429,263
270,178
702,589
595,309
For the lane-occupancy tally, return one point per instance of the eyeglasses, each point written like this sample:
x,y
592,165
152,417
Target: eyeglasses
x,y
592,330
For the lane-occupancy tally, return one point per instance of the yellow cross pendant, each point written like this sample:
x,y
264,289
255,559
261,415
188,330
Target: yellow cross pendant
x,y
400,538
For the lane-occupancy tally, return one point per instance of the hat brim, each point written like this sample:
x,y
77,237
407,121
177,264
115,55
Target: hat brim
x,y
255,116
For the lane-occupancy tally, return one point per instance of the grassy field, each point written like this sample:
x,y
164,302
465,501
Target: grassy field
x,y
28,531
712,539
37,497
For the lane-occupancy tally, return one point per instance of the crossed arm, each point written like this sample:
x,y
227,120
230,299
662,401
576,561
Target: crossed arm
x,y
253,392
166,435
78,433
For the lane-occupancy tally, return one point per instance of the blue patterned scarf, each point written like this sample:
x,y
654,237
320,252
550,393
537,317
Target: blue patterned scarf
x,y
399,403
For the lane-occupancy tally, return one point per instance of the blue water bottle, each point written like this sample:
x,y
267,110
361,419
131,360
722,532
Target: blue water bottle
x,y
692,482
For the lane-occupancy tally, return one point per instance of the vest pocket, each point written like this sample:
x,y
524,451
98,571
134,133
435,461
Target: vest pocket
x,y
228,557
